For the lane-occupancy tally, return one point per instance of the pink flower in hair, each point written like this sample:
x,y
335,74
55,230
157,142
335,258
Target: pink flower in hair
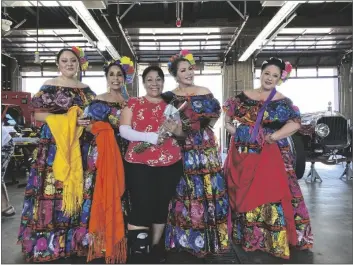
x,y
288,67
184,52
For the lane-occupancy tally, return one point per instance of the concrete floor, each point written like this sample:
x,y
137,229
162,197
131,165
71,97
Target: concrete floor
x,y
330,207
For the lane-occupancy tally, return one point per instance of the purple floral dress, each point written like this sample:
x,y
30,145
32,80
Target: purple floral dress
x,y
45,233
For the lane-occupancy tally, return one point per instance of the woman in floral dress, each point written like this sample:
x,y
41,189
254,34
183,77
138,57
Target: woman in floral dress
x,y
45,233
267,203
197,220
107,107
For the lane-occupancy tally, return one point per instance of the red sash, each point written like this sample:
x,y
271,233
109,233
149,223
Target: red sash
x,y
256,179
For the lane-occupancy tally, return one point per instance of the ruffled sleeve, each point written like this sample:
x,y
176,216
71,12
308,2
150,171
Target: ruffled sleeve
x,y
294,112
231,105
45,99
54,99
97,110
201,109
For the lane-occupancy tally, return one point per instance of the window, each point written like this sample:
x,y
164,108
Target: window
x,y
302,91
306,72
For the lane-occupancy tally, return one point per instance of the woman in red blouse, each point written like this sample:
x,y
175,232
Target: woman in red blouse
x,y
153,173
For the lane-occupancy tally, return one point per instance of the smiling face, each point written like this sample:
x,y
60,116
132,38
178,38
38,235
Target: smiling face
x,y
185,73
68,64
154,84
115,78
270,77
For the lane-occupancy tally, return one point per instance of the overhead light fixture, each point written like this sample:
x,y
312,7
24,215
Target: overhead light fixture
x,y
284,11
90,22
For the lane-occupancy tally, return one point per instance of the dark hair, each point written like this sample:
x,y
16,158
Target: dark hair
x,y
152,68
66,50
173,69
274,61
107,68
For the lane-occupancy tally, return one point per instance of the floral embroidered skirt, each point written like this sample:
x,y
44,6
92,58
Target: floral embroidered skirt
x,y
45,233
264,227
197,219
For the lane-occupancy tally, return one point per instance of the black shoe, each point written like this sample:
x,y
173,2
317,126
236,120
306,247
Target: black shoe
x,y
158,254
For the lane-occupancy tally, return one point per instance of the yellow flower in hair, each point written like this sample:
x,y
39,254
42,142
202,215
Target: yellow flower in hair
x,y
126,60
190,58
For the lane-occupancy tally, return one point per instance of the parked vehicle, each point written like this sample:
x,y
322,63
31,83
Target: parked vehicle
x,y
325,136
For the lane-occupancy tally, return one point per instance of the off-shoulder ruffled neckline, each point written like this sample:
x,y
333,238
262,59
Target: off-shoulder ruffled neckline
x,y
256,100
56,86
103,101
208,95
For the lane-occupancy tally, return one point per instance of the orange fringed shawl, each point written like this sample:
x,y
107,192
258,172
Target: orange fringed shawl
x,y
106,225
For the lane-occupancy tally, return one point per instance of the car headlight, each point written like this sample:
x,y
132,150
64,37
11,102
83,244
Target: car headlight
x,y
322,130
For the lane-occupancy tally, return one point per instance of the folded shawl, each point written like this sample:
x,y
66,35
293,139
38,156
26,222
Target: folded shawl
x,y
67,166
106,225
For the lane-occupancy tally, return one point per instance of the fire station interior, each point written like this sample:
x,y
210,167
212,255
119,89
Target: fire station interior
x,y
229,41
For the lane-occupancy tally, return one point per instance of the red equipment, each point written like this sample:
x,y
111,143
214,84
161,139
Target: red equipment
x,y
23,101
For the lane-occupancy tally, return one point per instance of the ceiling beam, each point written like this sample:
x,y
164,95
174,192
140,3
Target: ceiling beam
x,y
127,2
172,52
223,34
299,52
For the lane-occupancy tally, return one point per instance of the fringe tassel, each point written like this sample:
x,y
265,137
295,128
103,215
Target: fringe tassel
x,y
119,253
72,200
97,246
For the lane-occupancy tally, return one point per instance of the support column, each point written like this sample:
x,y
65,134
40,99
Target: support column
x,y
16,79
237,77
345,91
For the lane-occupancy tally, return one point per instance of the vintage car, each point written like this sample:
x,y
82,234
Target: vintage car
x,y
325,136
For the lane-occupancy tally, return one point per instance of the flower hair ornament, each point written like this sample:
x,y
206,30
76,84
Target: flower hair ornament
x,y
285,73
183,54
128,67
126,64
83,60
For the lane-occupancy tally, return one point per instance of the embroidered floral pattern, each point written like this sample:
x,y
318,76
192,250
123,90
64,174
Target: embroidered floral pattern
x,y
45,233
148,117
197,220
264,227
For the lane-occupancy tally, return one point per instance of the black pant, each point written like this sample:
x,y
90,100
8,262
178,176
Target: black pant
x,y
151,189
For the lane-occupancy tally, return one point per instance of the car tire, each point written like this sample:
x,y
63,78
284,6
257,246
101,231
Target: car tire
x,y
299,155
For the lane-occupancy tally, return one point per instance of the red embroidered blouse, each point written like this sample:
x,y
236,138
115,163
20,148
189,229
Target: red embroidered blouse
x,y
148,117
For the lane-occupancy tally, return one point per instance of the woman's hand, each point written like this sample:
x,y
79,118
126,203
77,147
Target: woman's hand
x,y
269,139
83,122
170,126
175,128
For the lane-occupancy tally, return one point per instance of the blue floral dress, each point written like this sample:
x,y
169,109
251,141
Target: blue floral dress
x,y
45,233
197,220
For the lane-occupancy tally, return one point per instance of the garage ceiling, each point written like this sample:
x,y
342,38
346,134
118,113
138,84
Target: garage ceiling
x,y
212,30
